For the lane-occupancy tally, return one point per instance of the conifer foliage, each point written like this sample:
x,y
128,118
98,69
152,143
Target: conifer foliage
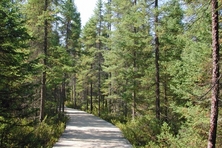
x,y
16,89
144,65
157,67
28,92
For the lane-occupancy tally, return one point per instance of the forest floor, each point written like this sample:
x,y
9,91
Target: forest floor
x,y
88,131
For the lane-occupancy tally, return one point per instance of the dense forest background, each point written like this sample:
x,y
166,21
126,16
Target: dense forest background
x,y
144,65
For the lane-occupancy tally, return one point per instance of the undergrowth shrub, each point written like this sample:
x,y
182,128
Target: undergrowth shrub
x,y
192,134
32,135
47,134
113,118
70,104
140,131
147,132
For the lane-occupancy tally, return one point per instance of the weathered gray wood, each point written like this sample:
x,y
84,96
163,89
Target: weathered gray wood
x,y
88,131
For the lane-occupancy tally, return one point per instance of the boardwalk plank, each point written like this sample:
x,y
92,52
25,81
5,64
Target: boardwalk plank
x,y
88,131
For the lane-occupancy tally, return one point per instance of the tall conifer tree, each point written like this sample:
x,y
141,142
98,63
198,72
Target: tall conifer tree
x,y
215,76
40,29
45,49
129,46
156,40
87,74
16,72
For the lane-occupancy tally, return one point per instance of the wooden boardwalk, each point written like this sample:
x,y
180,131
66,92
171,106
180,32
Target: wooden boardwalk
x,y
84,130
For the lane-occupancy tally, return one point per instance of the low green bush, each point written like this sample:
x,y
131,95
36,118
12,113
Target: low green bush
x,y
28,135
140,131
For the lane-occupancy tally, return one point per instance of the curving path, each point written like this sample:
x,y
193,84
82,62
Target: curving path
x,y
84,130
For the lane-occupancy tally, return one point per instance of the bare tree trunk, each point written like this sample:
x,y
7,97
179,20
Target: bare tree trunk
x,y
166,104
74,90
134,77
134,89
99,64
165,99
99,87
43,96
87,100
215,76
91,97
45,46
55,99
60,100
63,93
157,64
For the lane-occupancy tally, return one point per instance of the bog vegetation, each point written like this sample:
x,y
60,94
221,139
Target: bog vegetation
x,y
144,65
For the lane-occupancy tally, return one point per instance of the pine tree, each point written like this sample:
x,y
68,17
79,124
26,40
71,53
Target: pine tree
x,y
171,44
87,73
40,28
188,71
156,40
129,46
215,76
99,18
45,49
70,30
16,88
93,32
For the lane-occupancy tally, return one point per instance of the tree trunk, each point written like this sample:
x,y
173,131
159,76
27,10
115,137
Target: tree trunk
x,y
134,77
74,90
165,99
55,99
134,89
156,39
45,46
60,101
63,93
87,100
99,64
215,76
99,87
91,97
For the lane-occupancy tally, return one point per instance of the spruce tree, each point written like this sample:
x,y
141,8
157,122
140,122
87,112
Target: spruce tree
x,y
16,88
87,72
93,45
70,30
156,40
171,45
215,76
128,54
39,28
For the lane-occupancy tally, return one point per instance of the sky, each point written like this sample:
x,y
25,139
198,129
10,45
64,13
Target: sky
x,y
85,8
